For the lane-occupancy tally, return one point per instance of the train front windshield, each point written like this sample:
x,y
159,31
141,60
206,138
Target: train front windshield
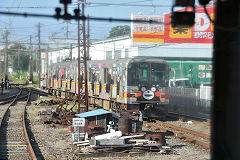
x,y
148,74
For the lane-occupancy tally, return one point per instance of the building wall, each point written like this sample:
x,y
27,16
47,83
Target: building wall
x,y
197,71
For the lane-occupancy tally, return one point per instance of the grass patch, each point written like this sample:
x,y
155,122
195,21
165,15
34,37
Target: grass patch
x,y
203,126
63,131
32,113
43,99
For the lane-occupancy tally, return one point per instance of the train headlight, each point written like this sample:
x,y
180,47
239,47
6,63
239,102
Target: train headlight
x,y
153,89
143,89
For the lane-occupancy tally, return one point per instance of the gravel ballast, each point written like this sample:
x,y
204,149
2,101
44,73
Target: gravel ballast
x,y
56,143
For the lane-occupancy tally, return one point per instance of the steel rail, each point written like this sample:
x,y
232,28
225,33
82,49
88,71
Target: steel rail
x,y
29,145
178,115
5,112
202,135
8,98
9,101
183,137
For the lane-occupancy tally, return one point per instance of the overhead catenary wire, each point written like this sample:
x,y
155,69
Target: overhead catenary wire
x,y
80,17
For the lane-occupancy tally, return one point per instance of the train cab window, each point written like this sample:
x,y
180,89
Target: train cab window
x,y
159,74
131,78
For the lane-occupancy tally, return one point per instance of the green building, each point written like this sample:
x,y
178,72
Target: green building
x,y
197,71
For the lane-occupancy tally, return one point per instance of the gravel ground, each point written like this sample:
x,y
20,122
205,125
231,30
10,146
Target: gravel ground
x,y
203,127
56,143
12,142
2,109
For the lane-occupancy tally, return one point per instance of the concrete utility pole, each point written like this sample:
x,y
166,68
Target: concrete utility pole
x,y
18,52
31,60
70,54
47,52
67,29
79,67
39,55
85,58
88,38
5,37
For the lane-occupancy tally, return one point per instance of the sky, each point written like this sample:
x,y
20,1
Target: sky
x,y
21,28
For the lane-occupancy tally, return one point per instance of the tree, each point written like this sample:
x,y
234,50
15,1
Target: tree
x,y
21,62
119,31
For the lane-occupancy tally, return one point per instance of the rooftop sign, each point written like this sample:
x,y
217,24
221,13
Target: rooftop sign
x,y
201,32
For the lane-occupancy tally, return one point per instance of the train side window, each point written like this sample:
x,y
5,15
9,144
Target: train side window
x,y
90,75
105,75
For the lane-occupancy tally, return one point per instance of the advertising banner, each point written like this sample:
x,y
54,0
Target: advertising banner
x,y
201,32
146,32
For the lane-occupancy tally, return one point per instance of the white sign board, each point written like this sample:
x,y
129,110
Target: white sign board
x,y
78,122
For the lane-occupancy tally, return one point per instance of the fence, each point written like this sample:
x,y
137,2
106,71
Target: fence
x,y
188,100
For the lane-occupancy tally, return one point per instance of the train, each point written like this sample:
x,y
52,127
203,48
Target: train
x,y
139,83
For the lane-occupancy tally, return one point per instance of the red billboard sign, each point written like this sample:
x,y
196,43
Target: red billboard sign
x,y
201,32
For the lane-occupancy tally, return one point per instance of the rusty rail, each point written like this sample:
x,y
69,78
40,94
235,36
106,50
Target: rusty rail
x,y
202,135
31,152
29,145
178,115
180,136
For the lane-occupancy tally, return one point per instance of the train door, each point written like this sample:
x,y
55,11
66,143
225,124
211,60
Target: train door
x,y
114,86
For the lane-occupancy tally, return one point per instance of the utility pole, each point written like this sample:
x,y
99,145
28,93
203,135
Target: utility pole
x,y
39,55
31,60
18,52
47,52
88,39
70,55
79,67
85,58
67,29
6,55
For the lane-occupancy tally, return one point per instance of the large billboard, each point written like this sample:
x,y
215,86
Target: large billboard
x,y
146,32
201,32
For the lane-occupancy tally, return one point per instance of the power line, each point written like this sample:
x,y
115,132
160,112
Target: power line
x,y
125,5
69,17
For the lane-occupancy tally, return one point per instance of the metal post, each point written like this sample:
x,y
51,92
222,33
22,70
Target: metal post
x,y
79,67
39,56
88,38
6,55
31,60
47,52
85,59
18,60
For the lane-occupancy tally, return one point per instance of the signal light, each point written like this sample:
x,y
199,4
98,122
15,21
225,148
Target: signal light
x,y
157,94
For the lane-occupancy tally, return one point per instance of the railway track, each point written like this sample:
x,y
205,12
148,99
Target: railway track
x,y
187,117
14,140
188,135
